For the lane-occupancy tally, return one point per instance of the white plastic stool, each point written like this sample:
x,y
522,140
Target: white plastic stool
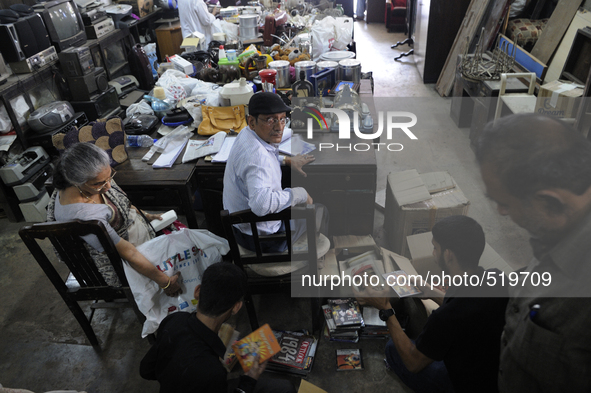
x,y
517,102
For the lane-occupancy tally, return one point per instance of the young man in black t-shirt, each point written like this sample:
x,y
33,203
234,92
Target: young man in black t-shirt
x,y
186,355
458,349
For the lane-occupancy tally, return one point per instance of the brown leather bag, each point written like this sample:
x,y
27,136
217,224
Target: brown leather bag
x,y
221,118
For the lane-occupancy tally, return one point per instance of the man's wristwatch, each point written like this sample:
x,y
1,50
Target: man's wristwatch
x,y
385,314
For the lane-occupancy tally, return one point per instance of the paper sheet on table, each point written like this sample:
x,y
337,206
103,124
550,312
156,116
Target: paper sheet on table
x,y
211,146
224,152
169,156
193,145
295,145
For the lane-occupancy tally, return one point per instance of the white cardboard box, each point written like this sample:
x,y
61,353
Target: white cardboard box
x,y
182,64
559,99
414,203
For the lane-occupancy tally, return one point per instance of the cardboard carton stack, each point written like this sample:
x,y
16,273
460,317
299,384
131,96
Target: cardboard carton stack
x,y
415,202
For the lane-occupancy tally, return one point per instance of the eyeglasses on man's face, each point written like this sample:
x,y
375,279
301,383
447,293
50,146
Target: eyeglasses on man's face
x,y
273,121
104,184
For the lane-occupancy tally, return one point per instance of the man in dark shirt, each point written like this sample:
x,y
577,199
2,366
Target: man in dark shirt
x,y
187,352
458,349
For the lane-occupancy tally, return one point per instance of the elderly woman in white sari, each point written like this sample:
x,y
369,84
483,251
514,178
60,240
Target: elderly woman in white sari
x,y
85,190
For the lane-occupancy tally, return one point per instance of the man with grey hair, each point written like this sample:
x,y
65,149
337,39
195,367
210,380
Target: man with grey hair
x,y
537,170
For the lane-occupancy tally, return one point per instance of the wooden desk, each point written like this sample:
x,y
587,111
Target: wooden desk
x,y
345,182
158,189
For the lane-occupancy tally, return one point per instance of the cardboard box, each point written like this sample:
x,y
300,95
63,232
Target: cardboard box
x,y
559,99
140,8
414,204
181,64
423,261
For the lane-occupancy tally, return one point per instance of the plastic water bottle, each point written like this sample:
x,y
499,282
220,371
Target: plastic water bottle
x,y
139,141
158,105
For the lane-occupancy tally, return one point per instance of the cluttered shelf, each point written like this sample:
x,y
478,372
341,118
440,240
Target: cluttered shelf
x,y
107,75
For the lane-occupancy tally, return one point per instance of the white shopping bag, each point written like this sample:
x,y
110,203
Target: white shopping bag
x,y
188,251
323,36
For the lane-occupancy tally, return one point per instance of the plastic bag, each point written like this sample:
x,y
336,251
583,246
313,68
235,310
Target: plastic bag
x,y
193,106
230,30
343,33
216,27
323,36
150,50
207,91
21,109
188,251
142,107
5,123
176,84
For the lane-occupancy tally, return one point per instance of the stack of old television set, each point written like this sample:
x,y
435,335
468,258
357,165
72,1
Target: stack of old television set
x,y
31,38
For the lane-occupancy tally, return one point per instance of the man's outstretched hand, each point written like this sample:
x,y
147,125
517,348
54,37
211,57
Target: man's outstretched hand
x,y
372,297
257,368
297,162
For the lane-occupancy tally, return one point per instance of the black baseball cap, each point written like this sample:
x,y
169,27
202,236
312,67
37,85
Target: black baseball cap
x,y
266,103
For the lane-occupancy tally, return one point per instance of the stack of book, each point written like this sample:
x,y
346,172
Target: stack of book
x,y
296,355
374,326
343,320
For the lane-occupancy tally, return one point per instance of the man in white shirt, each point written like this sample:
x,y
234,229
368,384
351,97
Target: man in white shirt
x,y
252,178
195,17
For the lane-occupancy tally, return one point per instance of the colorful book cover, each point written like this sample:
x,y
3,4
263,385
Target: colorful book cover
x,y
349,359
295,349
345,312
261,342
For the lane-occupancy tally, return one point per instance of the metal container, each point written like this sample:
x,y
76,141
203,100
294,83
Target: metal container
x,y
337,55
349,70
323,65
309,67
267,79
248,26
282,68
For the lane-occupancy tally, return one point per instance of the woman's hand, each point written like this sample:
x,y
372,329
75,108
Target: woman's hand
x,y
174,288
145,267
152,217
149,216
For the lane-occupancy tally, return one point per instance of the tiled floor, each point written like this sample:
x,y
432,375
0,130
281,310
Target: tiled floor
x,y
44,349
